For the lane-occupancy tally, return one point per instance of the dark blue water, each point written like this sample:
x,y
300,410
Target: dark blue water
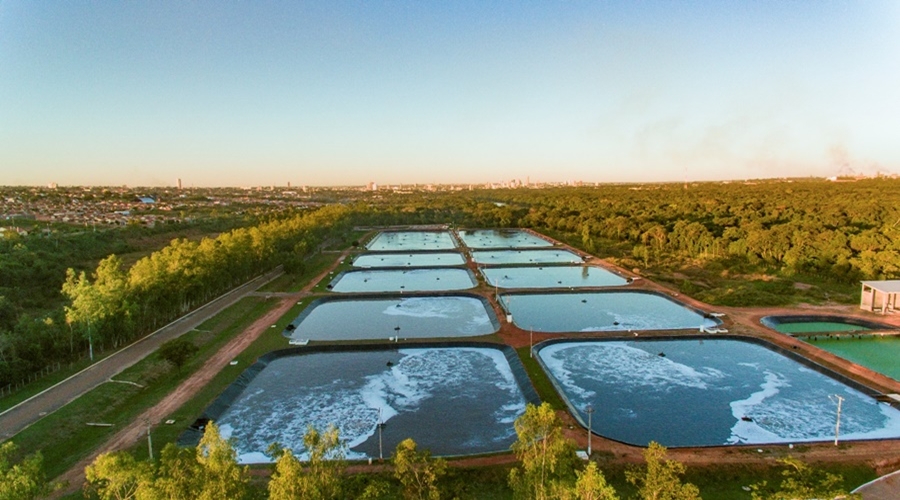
x,y
411,241
595,311
452,401
413,280
701,392
551,277
412,317
502,238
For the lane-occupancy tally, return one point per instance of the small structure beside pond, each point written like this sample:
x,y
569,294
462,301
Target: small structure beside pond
x,y
879,296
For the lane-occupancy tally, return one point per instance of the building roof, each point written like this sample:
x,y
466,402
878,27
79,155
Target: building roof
x,y
884,286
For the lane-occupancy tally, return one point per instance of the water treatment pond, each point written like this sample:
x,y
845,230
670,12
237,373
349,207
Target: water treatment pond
x,y
550,277
410,317
411,241
816,324
876,353
500,257
501,238
433,259
600,311
398,280
708,392
452,401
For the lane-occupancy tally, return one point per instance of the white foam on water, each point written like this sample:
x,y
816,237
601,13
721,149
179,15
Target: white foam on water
x,y
622,365
225,431
425,307
444,308
777,417
417,376
453,368
286,420
749,431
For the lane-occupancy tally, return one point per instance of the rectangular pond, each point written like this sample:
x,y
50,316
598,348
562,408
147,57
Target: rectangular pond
x,y
708,392
401,280
382,318
551,277
412,240
504,257
804,324
428,259
877,353
501,238
450,400
601,311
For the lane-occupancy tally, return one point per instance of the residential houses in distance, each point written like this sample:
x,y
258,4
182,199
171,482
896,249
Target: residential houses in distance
x,y
26,209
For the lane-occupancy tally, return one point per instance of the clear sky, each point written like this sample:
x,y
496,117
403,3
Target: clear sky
x,y
337,92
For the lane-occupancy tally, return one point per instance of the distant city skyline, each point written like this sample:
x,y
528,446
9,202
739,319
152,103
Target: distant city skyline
x,y
345,93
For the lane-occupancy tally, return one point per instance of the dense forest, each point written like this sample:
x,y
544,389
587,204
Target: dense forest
x,y
113,305
772,242
769,242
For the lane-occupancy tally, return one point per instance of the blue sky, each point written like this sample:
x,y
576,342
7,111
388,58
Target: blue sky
x,y
342,93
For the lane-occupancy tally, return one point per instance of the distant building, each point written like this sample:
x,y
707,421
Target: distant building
x,y
146,199
179,183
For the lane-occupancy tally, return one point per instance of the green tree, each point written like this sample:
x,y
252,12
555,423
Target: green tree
x,y
321,480
177,351
24,480
660,478
220,474
287,480
178,476
590,485
547,458
118,476
802,482
417,471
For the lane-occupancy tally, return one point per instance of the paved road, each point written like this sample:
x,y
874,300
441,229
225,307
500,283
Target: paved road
x,y
188,389
17,418
886,487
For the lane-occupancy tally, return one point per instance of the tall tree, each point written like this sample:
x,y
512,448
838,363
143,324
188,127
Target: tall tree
x,y
590,485
24,480
321,479
417,471
660,478
178,476
220,474
118,476
546,457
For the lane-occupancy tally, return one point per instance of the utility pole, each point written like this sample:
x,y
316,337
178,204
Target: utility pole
x,y
90,342
590,411
531,342
380,426
837,423
149,440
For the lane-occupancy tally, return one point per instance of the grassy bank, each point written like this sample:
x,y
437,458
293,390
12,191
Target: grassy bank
x,y
65,436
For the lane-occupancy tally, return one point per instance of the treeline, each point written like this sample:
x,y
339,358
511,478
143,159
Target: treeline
x,y
850,231
725,237
834,233
113,305
547,468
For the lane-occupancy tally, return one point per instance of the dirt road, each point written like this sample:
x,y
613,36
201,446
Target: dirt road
x,y
136,431
17,418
